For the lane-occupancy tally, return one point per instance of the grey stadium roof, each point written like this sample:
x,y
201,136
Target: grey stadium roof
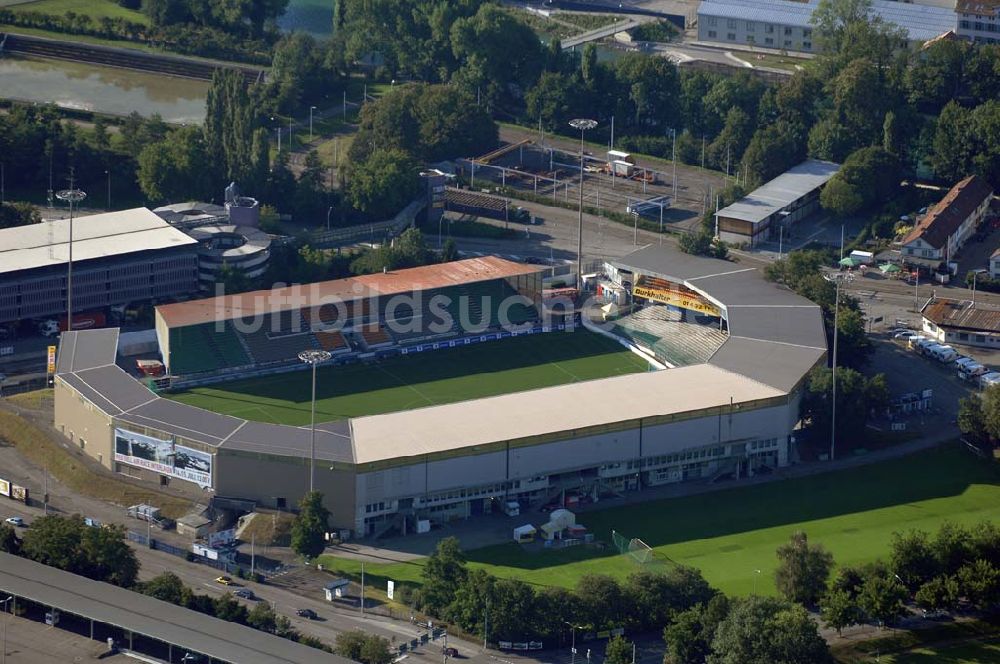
x,y
94,236
780,192
150,617
776,337
921,22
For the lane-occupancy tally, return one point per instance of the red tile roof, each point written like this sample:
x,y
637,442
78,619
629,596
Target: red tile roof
x,y
942,220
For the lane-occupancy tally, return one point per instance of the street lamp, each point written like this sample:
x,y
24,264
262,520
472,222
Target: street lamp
x,y
833,418
311,109
756,576
313,357
71,195
583,124
975,275
108,173
4,602
573,647
328,211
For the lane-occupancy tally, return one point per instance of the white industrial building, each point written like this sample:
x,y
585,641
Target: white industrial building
x,y
786,24
786,199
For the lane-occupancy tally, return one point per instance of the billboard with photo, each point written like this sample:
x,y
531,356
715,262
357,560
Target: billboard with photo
x,y
163,456
19,493
5,488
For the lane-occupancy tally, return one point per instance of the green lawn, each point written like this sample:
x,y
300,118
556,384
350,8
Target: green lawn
x,y
431,378
95,9
729,534
970,653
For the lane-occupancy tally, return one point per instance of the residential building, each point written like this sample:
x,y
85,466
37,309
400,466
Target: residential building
x,y
942,232
979,20
962,322
786,25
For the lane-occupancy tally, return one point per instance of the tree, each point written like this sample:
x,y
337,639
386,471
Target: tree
x,y
602,603
69,544
839,610
881,597
868,177
9,543
857,397
512,611
443,574
972,420
383,184
952,547
841,198
309,527
979,582
175,168
233,279
773,150
911,555
375,650
349,644
689,636
262,617
938,594
449,251
551,100
618,651
952,152
167,587
228,608
229,127
507,49
655,597
991,410
764,630
13,214
803,569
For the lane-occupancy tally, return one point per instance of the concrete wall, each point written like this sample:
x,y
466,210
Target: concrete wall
x,y
266,478
83,424
739,32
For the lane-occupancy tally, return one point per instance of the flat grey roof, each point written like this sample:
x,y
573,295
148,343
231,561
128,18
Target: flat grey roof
x,y
78,351
150,617
94,236
782,191
777,365
921,22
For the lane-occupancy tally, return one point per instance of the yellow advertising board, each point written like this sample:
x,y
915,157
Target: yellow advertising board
x,y
52,359
5,488
677,299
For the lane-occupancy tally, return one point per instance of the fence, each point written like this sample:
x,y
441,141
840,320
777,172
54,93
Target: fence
x,y
159,545
30,385
375,232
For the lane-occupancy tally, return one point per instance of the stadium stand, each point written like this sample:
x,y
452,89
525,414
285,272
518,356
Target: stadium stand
x,y
332,341
210,349
661,329
375,336
268,349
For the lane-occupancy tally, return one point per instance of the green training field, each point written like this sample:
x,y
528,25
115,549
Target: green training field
x,y
426,379
95,9
730,534
967,653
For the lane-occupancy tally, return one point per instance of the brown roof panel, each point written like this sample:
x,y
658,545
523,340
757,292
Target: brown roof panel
x,y
243,305
962,314
942,220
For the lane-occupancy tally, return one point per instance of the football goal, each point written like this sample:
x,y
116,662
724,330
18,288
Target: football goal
x,y
633,547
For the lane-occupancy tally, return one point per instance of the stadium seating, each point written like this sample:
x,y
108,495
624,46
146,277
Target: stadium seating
x,y
661,330
332,341
375,336
330,314
267,348
491,294
202,348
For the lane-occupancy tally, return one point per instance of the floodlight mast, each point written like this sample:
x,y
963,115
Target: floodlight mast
x,y
313,357
583,124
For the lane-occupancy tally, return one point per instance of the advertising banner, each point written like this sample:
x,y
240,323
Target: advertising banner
x,y
163,456
19,493
677,297
52,360
5,488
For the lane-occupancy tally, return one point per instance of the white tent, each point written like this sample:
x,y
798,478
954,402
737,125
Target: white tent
x,y
525,533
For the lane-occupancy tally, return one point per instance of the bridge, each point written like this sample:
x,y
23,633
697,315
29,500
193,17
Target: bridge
x,y
606,31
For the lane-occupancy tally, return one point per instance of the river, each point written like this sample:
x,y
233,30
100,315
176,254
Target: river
x,y
104,89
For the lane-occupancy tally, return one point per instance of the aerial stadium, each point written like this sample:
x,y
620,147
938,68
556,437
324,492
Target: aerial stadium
x,y
446,391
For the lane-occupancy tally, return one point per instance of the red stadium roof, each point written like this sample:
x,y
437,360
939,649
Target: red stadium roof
x,y
428,277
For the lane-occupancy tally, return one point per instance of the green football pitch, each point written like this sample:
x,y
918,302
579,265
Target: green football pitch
x,y
730,534
424,379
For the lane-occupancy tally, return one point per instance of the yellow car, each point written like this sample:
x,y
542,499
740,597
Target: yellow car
x,y
225,580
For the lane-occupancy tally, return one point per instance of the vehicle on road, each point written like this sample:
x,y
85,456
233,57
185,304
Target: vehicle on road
x,y
449,652
15,521
225,580
306,613
245,593
899,333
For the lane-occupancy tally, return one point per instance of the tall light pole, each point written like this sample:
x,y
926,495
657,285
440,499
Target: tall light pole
x,y
311,109
313,357
573,646
108,173
583,125
833,425
4,602
71,195
975,275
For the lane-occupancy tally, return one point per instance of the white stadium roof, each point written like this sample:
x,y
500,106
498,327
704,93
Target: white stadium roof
x,y
94,236
921,22
780,192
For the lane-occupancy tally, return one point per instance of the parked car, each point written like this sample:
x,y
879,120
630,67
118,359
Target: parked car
x,y
902,334
991,378
225,580
306,613
450,651
15,521
962,360
245,593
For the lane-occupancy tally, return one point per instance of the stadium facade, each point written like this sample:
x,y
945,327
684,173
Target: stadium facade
x,y
732,413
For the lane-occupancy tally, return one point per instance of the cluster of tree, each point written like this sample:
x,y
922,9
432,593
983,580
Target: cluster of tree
x,y
187,38
868,177
242,17
703,243
979,417
410,125
69,544
363,647
858,398
18,214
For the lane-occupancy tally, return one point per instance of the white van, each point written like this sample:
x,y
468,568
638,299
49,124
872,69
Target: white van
x,y
927,346
944,354
962,360
971,371
915,341
987,379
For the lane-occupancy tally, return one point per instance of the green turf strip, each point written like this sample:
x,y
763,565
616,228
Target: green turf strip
x,y
425,379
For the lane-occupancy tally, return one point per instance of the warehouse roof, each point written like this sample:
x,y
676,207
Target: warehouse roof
x,y
782,191
94,236
78,352
921,22
963,315
945,218
245,305
526,414
141,614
